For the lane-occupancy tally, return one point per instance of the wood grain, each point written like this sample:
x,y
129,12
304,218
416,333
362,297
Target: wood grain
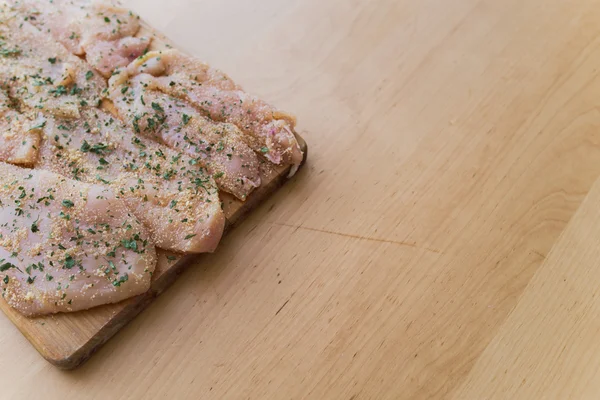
x,y
451,142
67,340
548,348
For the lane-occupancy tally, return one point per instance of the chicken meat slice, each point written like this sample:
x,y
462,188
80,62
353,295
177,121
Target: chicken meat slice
x,y
40,72
216,146
67,245
267,130
106,56
101,30
19,137
168,192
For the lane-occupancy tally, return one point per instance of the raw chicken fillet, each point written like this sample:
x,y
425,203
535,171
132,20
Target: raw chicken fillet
x,y
268,131
102,31
220,148
67,245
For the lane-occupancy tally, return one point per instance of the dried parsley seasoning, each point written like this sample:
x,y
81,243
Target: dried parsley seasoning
x,y
41,125
130,244
98,177
121,280
6,266
4,52
58,91
158,108
98,148
34,227
69,262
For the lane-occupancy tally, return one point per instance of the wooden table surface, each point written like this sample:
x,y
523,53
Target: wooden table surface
x,y
437,245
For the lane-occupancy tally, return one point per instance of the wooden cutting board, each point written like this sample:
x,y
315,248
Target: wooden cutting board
x,y
67,340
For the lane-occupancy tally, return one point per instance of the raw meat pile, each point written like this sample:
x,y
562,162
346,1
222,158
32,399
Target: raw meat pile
x,y
109,150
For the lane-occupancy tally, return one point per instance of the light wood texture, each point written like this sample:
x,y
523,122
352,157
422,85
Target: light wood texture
x,y
67,340
548,348
451,142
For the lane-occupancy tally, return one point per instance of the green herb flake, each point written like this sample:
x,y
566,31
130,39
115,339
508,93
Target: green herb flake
x,y
69,262
10,52
34,227
157,107
41,125
97,148
121,280
130,244
6,266
58,91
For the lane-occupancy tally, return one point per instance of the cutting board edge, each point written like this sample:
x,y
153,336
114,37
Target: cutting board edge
x,y
140,303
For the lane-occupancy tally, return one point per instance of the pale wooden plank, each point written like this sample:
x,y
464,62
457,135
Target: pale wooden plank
x,y
548,348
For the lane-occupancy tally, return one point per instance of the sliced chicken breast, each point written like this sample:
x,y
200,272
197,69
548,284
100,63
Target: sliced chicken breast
x,y
176,199
268,131
101,30
157,115
67,245
41,72
167,191
106,56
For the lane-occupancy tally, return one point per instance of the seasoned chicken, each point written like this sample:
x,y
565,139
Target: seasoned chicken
x,y
167,191
101,30
172,195
268,130
67,245
19,137
41,72
106,56
218,147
